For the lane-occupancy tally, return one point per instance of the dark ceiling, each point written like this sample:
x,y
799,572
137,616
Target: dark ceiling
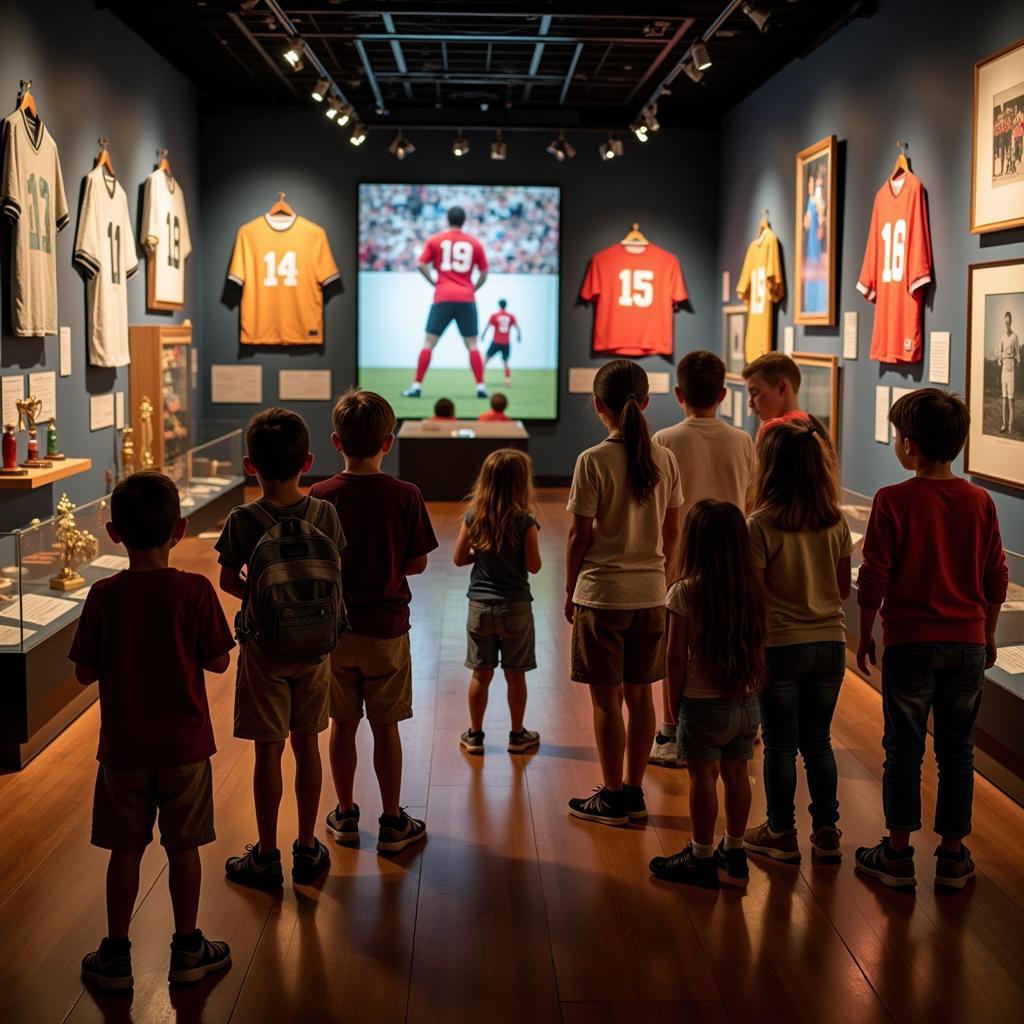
x,y
535,63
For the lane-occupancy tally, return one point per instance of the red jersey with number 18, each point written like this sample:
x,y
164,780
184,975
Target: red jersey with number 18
x,y
635,293
454,254
897,266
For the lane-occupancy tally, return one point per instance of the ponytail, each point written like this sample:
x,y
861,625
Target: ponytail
x,y
622,386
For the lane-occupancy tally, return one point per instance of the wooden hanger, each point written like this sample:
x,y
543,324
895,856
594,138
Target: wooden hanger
x,y
635,237
103,159
280,207
902,165
163,165
26,101
762,224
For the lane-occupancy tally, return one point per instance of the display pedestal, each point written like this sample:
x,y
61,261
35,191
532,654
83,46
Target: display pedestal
x,y
444,466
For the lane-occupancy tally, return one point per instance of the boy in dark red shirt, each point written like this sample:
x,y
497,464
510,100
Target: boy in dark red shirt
x,y
390,537
934,564
146,635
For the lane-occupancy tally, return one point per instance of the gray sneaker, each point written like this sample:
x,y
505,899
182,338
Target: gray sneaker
x,y
520,742
896,870
193,960
343,825
952,872
392,838
825,843
472,742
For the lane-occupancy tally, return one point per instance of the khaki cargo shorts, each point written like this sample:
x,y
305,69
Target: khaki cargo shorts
x,y
618,645
372,672
500,631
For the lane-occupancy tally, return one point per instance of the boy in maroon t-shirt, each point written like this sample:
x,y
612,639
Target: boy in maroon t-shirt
x,y
146,635
390,536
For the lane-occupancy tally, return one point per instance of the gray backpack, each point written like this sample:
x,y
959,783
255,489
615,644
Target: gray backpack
x,y
293,607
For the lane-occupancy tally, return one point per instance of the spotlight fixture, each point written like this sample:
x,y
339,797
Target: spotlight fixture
x,y
701,57
460,147
611,148
650,118
640,131
333,108
293,54
401,147
757,16
248,5
499,149
358,136
345,114
320,90
692,72
561,149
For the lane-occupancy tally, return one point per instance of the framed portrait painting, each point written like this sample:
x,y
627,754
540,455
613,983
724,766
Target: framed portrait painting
x,y
816,234
819,389
995,375
734,332
997,171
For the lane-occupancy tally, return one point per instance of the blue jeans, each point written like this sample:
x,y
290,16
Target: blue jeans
x,y
945,679
799,698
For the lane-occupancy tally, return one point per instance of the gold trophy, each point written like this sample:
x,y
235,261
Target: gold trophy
x,y
77,546
146,430
28,412
127,452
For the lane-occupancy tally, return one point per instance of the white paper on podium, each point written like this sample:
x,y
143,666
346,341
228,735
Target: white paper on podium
x,y
231,383
13,388
882,414
110,562
101,411
850,335
1011,659
65,351
938,357
11,635
37,609
788,340
304,385
44,387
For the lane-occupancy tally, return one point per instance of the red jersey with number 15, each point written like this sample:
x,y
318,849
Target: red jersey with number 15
x,y
897,267
454,254
635,293
502,324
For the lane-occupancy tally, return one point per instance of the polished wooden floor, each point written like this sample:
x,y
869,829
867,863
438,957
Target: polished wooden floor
x,y
511,910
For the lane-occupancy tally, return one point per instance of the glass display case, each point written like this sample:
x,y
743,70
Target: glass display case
x,y
208,472
159,388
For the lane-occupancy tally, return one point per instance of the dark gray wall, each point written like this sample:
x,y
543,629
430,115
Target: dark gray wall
x,y
905,74
669,186
92,78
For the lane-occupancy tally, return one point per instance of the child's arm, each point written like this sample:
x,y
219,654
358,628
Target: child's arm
x,y
218,664
677,657
531,548
463,552
670,531
231,583
86,675
873,580
866,643
991,618
844,577
580,533
415,566
996,582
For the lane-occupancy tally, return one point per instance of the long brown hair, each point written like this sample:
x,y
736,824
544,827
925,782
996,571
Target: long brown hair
x,y
725,599
622,386
796,479
503,492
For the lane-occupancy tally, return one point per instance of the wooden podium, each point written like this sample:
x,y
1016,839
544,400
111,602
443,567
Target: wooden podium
x,y
442,458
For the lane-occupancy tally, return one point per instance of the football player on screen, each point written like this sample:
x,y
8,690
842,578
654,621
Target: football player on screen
x,y
453,254
501,323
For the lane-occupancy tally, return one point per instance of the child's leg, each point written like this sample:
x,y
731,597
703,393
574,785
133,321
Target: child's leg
x,y
703,800
387,763
609,733
479,688
184,879
780,720
516,698
958,686
266,791
122,890
668,713
308,780
344,759
819,693
736,782
641,730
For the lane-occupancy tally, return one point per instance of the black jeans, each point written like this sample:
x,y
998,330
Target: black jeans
x,y
945,679
797,703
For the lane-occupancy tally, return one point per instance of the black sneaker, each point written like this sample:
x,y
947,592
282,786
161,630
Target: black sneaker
x,y
472,742
110,967
259,871
344,825
732,862
635,806
687,868
522,741
894,869
951,871
394,836
413,391
309,863
604,806
194,956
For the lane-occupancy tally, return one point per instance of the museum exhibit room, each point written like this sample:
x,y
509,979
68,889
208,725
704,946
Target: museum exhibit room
x,y
619,406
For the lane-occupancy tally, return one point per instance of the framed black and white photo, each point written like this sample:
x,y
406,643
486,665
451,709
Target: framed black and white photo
x,y
734,332
995,382
819,389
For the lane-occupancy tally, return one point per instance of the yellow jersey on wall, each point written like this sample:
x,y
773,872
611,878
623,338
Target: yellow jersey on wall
x,y
760,287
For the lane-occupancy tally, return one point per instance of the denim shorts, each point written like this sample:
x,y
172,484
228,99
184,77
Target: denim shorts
x,y
712,729
500,632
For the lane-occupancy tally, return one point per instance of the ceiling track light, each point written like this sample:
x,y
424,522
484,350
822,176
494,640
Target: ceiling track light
x,y
701,57
358,136
320,90
650,118
561,149
345,114
401,147
499,148
333,108
640,131
610,148
460,147
247,5
692,72
757,16
293,53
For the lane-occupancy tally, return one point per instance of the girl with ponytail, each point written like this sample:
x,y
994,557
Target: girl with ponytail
x,y
626,505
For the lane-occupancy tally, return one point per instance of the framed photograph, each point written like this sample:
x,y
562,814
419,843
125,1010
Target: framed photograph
x,y
734,332
995,381
816,234
997,170
819,389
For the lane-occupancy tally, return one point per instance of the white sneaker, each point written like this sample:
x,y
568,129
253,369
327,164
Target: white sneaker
x,y
664,751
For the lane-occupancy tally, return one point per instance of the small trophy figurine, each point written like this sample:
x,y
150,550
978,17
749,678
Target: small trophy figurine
x,y
52,451
10,461
146,430
28,410
76,545
127,452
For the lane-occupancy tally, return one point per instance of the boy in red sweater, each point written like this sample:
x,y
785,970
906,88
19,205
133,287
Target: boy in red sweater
x,y
933,555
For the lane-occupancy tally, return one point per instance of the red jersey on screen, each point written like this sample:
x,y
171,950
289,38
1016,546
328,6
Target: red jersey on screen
x,y
635,294
454,254
502,324
897,266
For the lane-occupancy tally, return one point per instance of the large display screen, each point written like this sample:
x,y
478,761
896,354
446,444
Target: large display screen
x,y
409,330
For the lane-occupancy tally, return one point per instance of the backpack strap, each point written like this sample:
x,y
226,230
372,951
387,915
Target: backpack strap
x,y
314,511
260,514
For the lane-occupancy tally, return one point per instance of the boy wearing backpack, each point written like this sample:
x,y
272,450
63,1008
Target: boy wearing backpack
x,y
292,614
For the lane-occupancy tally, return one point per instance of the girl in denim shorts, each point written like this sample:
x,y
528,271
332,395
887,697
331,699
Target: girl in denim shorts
x,y
499,538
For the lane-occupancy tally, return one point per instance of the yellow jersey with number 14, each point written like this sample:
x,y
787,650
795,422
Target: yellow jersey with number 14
x,y
282,263
760,287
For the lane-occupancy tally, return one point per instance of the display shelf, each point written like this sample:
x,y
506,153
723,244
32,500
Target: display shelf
x,y
34,478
